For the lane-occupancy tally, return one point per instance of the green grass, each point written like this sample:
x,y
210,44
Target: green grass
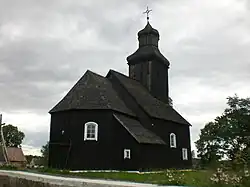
x,y
191,178
188,178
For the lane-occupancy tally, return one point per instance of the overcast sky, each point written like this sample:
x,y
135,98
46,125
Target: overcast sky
x,y
46,46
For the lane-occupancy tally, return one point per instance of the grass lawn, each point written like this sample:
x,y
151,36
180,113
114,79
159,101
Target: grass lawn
x,y
173,177
191,178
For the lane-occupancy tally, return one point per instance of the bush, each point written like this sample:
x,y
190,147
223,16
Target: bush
x,y
8,167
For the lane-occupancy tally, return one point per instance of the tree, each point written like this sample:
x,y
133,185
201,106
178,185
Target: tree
x,y
229,134
208,145
45,153
12,136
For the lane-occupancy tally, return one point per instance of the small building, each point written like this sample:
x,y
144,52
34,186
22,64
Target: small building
x,y
15,157
121,122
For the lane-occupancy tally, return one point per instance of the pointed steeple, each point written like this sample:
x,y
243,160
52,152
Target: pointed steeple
x,y
148,36
147,65
148,49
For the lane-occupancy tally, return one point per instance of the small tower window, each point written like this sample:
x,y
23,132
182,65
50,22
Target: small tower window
x,y
90,131
127,154
184,154
172,140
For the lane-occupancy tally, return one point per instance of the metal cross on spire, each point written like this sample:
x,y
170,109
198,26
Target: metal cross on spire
x,y
147,12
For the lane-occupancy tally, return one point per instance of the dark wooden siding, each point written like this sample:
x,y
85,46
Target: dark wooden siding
x,y
72,152
159,81
174,155
158,78
124,140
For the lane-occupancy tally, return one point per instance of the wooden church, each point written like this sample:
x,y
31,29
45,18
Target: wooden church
x,y
121,122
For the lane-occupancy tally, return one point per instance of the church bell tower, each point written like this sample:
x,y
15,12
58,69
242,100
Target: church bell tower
x,y
148,66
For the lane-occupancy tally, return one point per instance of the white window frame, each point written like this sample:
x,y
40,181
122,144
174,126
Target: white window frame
x,y
127,154
95,131
184,153
174,140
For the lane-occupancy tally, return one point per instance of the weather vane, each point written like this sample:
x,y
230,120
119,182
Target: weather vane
x,y
147,12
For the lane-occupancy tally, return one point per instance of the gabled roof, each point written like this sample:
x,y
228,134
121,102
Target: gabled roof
x,y
15,154
134,127
92,91
152,106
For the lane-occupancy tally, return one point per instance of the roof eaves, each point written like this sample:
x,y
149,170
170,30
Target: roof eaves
x,y
159,141
126,128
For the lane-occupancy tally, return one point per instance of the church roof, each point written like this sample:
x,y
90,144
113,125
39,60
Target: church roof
x,y
92,91
134,127
145,53
152,106
148,30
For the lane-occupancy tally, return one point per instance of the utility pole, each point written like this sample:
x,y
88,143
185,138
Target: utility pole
x,y
3,141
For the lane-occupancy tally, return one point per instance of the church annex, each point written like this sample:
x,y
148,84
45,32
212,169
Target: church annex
x,y
121,122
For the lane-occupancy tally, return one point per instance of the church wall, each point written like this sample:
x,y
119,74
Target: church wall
x,y
136,72
90,154
156,157
124,140
153,75
159,80
106,153
174,155
142,73
59,143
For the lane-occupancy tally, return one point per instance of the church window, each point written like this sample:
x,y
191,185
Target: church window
x,y
184,154
172,140
127,154
90,131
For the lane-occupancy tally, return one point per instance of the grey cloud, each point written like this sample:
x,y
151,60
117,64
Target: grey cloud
x,y
36,139
37,72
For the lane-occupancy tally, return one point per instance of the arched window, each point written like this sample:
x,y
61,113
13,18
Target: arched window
x,y
172,140
90,131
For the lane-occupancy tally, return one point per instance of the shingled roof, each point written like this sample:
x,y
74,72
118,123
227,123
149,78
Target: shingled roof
x,y
147,52
135,128
92,91
15,154
152,106
148,29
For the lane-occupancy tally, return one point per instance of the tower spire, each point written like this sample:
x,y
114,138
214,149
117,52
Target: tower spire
x,y
147,65
147,12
